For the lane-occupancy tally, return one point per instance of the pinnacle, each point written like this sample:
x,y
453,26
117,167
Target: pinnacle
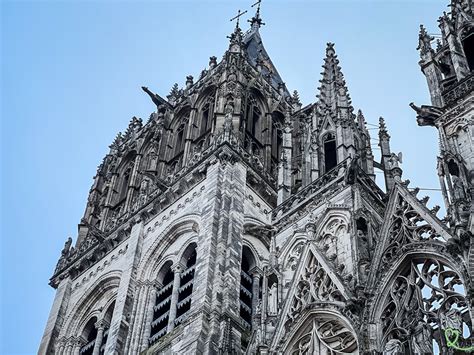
x,y
383,133
333,92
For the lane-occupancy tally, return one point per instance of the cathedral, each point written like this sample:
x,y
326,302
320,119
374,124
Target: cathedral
x,y
235,220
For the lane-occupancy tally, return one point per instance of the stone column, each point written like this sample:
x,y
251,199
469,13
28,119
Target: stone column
x,y
58,309
61,346
119,326
138,327
68,350
149,317
174,297
78,343
100,325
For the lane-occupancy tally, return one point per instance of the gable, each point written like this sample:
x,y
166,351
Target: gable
x,y
314,282
407,221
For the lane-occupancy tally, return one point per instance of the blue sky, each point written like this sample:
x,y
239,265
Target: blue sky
x,y
71,77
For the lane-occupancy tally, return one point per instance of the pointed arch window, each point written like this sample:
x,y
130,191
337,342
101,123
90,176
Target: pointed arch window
x,y
89,334
468,46
254,119
161,310
206,121
179,142
330,155
125,183
186,284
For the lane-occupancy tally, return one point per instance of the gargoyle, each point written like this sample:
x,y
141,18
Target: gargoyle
x,y
426,115
157,99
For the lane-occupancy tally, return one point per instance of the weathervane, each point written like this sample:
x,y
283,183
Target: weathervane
x,y
237,17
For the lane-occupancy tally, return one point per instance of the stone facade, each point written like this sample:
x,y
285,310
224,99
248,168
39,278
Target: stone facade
x,y
237,221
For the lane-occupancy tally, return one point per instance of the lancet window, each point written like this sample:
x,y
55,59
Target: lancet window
x,y
124,184
90,335
173,298
468,46
95,333
330,156
179,142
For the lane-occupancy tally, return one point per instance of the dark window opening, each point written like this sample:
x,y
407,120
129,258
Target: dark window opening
x,y
361,225
125,182
453,168
90,334
204,120
330,157
468,45
179,146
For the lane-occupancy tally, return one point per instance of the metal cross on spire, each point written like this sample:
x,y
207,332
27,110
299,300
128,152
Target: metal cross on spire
x,y
256,19
237,17
258,7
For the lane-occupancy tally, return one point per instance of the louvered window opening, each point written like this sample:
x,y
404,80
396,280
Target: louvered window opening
x,y
245,295
185,290
161,310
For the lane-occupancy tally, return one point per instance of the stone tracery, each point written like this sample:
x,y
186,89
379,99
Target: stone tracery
x,y
407,226
424,300
325,335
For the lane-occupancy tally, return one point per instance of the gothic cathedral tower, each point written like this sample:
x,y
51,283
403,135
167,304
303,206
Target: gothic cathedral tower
x,y
235,220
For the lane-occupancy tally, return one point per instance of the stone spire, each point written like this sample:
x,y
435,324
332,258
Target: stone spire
x,y
333,92
235,44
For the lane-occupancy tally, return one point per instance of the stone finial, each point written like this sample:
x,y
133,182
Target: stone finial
x,y
296,98
174,94
361,121
383,132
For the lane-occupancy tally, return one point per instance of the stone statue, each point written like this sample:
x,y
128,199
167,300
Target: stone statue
x,y
393,347
424,41
394,160
458,187
273,300
67,247
421,340
452,319
364,246
229,111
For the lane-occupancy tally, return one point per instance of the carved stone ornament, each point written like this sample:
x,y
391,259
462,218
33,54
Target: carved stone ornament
x,y
326,336
427,297
407,226
314,285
